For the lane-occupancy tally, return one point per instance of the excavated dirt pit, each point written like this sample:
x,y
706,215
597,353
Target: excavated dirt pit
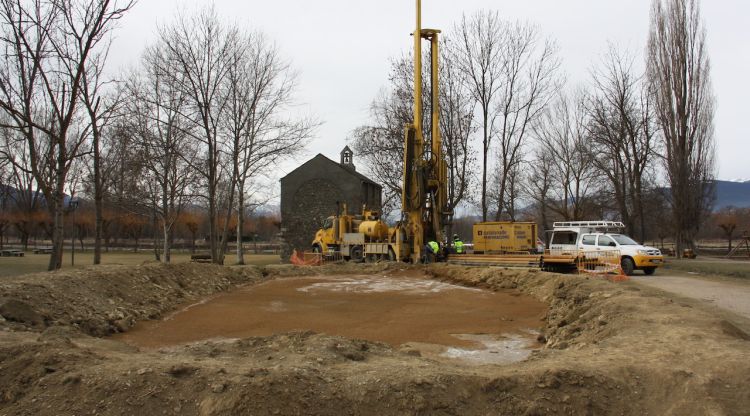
x,y
361,339
440,320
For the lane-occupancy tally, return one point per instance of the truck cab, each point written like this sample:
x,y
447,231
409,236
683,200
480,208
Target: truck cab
x,y
591,237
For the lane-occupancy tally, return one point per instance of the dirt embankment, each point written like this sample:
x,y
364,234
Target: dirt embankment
x,y
104,300
610,349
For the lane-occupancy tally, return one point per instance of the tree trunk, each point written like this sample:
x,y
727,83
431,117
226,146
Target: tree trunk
x,y
212,211
167,249
212,228
56,208
544,227
484,167
155,227
58,234
98,199
225,228
166,217
55,261
501,193
240,223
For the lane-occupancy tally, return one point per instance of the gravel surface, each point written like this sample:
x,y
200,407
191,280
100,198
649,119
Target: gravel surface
x,y
725,293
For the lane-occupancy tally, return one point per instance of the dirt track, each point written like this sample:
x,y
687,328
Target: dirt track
x,y
726,293
610,349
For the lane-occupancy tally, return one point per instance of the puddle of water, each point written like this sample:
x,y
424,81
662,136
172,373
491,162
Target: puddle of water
x,y
380,284
498,349
394,310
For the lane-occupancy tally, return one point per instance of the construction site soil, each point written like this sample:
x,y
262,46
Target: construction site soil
x,y
605,348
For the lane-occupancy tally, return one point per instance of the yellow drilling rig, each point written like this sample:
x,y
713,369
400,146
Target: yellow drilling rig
x,y
424,197
424,194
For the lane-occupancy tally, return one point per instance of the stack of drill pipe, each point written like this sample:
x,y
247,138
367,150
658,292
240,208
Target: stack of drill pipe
x,y
509,260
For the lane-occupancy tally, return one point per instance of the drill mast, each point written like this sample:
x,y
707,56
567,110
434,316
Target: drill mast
x,y
424,195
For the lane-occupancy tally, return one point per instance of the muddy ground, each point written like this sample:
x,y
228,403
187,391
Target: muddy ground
x,y
609,348
397,310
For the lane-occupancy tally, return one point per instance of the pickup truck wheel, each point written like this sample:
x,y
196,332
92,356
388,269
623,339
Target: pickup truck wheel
x,y
627,266
649,270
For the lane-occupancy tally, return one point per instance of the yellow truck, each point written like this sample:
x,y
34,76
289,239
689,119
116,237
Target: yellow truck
x,y
356,237
504,237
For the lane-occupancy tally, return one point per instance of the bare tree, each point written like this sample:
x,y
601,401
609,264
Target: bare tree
x,y
727,221
156,108
537,183
381,143
512,74
479,58
623,131
679,74
124,176
25,199
201,48
46,47
101,104
529,81
564,156
457,124
261,88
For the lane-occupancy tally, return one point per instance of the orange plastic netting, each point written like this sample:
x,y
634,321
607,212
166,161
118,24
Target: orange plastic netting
x,y
306,259
605,264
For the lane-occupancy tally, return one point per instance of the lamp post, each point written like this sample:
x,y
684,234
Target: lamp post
x,y
73,206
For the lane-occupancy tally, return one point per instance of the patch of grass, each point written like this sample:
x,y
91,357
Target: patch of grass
x,y
737,269
33,263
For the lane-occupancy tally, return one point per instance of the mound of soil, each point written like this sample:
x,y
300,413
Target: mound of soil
x,y
610,349
107,299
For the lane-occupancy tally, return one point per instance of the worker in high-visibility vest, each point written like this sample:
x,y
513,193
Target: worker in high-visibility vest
x,y
431,252
458,244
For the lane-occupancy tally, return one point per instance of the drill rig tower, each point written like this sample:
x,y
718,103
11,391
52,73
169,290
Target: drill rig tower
x,y
424,194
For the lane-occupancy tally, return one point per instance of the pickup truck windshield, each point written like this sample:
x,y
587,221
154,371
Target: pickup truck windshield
x,y
623,240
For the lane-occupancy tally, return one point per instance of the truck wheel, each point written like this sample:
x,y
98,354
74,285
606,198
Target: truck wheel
x,y
649,270
627,266
356,254
391,255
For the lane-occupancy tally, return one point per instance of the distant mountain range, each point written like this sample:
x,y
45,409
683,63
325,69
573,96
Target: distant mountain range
x,y
730,193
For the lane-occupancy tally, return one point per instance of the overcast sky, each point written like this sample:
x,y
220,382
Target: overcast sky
x,y
342,50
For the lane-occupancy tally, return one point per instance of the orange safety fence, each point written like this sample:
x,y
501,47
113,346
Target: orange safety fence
x,y
308,258
601,263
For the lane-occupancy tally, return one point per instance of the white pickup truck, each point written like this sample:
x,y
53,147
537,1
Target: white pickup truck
x,y
575,237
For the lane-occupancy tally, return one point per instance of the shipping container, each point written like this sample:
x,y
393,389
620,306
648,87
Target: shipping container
x,y
504,237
